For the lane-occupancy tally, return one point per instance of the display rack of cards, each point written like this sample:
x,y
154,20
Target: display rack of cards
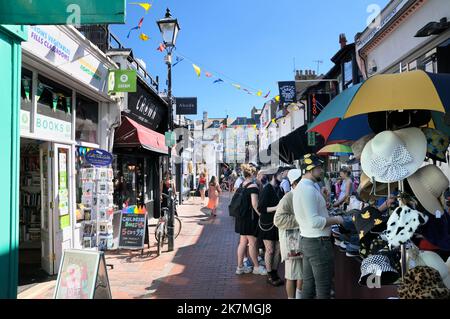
x,y
97,201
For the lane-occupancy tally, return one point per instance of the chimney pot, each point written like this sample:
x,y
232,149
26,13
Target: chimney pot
x,y
342,40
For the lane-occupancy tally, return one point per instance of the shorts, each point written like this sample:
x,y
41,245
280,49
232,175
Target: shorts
x,y
202,187
293,269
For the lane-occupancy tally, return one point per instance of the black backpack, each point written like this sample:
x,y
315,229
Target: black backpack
x,y
238,207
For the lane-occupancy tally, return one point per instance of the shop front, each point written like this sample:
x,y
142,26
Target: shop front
x,y
140,153
64,111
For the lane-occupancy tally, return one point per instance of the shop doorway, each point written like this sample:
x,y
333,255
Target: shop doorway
x,y
45,210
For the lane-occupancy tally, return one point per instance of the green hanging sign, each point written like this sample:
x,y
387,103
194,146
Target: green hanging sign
x,y
170,139
55,102
74,12
40,89
26,88
122,81
68,104
311,138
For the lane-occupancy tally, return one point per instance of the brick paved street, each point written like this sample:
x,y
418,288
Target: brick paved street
x,y
202,265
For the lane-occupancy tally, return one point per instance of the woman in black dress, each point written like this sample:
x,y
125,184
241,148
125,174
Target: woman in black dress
x,y
247,226
268,202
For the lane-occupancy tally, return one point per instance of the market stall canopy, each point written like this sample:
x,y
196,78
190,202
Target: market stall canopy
x,y
335,149
132,134
292,146
415,90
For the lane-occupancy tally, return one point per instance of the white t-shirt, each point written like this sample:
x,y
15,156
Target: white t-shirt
x,y
238,182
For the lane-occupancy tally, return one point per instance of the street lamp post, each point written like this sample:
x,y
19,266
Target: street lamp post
x,y
169,28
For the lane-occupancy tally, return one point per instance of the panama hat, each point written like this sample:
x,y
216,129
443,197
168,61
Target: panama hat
x,y
428,184
358,146
392,156
433,260
293,175
365,188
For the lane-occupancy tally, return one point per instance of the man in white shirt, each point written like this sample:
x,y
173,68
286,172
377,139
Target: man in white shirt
x,y
311,213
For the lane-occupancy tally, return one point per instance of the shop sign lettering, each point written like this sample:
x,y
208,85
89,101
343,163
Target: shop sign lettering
x,y
52,128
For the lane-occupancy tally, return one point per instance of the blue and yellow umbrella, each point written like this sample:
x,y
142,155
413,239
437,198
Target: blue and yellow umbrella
x,y
416,90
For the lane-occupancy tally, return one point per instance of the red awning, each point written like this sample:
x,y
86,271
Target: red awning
x,y
132,134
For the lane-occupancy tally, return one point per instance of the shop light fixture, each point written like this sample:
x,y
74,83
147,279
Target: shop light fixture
x,y
433,28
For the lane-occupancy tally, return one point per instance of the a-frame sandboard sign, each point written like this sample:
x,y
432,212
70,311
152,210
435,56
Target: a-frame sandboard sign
x,y
82,275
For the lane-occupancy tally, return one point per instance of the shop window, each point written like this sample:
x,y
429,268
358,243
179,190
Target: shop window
x,y
348,74
54,100
86,120
129,181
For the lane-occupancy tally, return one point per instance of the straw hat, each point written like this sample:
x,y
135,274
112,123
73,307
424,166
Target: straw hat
x,y
392,156
358,146
365,188
428,184
433,260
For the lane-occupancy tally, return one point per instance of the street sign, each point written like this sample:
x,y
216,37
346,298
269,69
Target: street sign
x,y
76,12
122,81
186,105
170,139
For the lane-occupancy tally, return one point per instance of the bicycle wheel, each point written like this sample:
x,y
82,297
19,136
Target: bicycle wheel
x,y
158,231
158,243
176,227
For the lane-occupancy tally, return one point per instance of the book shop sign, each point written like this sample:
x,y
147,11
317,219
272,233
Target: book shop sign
x,y
99,157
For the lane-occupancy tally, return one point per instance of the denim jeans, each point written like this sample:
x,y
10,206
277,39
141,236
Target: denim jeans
x,y
318,267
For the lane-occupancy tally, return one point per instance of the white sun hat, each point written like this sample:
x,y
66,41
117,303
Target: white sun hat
x,y
392,156
294,174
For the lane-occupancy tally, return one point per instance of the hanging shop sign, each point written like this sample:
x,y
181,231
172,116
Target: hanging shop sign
x,y
55,45
122,81
82,275
146,108
62,12
186,105
288,93
99,157
311,139
132,230
51,128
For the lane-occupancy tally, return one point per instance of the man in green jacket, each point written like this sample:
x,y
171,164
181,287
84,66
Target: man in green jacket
x,y
285,220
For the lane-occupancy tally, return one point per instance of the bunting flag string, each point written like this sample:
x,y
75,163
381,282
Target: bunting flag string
x,y
144,37
161,47
177,60
208,75
197,70
218,81
144,5
136,28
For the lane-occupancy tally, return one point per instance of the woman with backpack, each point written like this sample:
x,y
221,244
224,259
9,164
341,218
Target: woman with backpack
x,y
267,205
246,223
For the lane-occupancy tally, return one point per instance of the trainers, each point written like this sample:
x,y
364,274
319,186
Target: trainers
x,y
247,263
261,261
337,242
261,270
243,270
343,245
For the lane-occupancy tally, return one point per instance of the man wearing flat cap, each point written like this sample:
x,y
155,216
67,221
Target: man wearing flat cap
x,y
311,212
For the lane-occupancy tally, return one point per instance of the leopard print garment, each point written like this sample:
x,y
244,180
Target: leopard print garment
x,y
423,282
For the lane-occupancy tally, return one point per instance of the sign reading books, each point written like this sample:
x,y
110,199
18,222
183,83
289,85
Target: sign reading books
x,y
132,228
62,12
122,81
82,275
186,105
288,93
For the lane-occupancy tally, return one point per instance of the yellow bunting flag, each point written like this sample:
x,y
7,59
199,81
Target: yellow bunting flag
x,y
277,98
259,93
144,37
197,70
144,5
254,126
273,121
237,86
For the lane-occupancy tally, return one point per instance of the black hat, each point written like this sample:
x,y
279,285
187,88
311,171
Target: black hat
x,y
310,161
368,220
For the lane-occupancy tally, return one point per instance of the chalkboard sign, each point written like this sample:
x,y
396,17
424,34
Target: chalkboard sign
x,y
132,230
82,275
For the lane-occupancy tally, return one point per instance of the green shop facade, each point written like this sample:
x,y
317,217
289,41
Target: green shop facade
x,y
56,106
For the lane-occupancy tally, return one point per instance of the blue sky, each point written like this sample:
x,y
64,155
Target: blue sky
x,y
252,42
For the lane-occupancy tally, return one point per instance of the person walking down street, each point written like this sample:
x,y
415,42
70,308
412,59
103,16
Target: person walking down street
x,y
213,195
267,205
202,187
346,188
247,225
285,220
315,227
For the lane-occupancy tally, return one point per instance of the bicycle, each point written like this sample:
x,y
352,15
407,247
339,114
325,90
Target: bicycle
x,y
161,230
